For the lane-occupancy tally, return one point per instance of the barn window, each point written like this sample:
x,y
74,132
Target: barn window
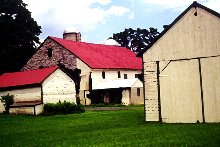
x,y
125,76
138,91
103,75
49,52
119,74
136,75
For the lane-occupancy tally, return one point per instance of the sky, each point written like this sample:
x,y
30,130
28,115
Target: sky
x,y
97,20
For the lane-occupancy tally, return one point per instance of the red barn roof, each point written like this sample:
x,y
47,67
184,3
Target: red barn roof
x,y
98,56
26,77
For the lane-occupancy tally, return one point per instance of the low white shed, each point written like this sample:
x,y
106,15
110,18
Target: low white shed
x,y
33,88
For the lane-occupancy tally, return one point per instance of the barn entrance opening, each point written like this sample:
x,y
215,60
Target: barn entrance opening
x,y
106,96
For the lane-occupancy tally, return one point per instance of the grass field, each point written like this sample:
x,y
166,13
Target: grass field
x,y
103,128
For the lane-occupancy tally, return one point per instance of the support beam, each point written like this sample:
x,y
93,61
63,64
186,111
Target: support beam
x,y
158,85
201,88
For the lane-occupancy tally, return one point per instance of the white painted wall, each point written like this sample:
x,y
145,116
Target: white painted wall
x,y
112,74
211,92
126,97
25,94
180,92
138,84
85,72
84,83
27,110
2,108
195,36
96,75
129,96
135,99
58,86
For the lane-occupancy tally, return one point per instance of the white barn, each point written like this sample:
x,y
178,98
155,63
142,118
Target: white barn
x,y
33,88
182,69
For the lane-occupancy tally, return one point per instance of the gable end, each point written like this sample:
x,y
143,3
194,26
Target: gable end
x,y
193,5
60,55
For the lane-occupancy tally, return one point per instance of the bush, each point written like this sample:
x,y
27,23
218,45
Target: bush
x,y
62,108
9,100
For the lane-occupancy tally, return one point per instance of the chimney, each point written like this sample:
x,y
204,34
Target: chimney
x,y
72,34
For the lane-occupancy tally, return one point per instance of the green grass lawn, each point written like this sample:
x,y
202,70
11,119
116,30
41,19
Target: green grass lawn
x,y
103,128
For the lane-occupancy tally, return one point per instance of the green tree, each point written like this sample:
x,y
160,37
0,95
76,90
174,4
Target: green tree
x,y
18,35
8,100
136,40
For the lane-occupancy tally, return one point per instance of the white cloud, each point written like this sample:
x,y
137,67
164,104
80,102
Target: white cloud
x,y
180,5
213,4
84,13
94,17
102,2
168,4
117,10
131,16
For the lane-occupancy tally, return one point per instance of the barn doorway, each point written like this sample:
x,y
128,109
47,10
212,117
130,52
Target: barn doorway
x,y
112,96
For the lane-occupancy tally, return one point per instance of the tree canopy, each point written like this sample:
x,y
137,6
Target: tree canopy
x,y
136,40
18,35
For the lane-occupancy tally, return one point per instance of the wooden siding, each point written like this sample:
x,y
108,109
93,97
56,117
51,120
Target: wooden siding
x,y
192,36
211,85
180,92
58,86
187,61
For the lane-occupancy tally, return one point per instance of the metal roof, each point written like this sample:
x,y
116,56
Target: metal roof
x,y
29,77
122,83
99,56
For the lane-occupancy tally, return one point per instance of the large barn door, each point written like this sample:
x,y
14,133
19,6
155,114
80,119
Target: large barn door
x,y
211,88
180,93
